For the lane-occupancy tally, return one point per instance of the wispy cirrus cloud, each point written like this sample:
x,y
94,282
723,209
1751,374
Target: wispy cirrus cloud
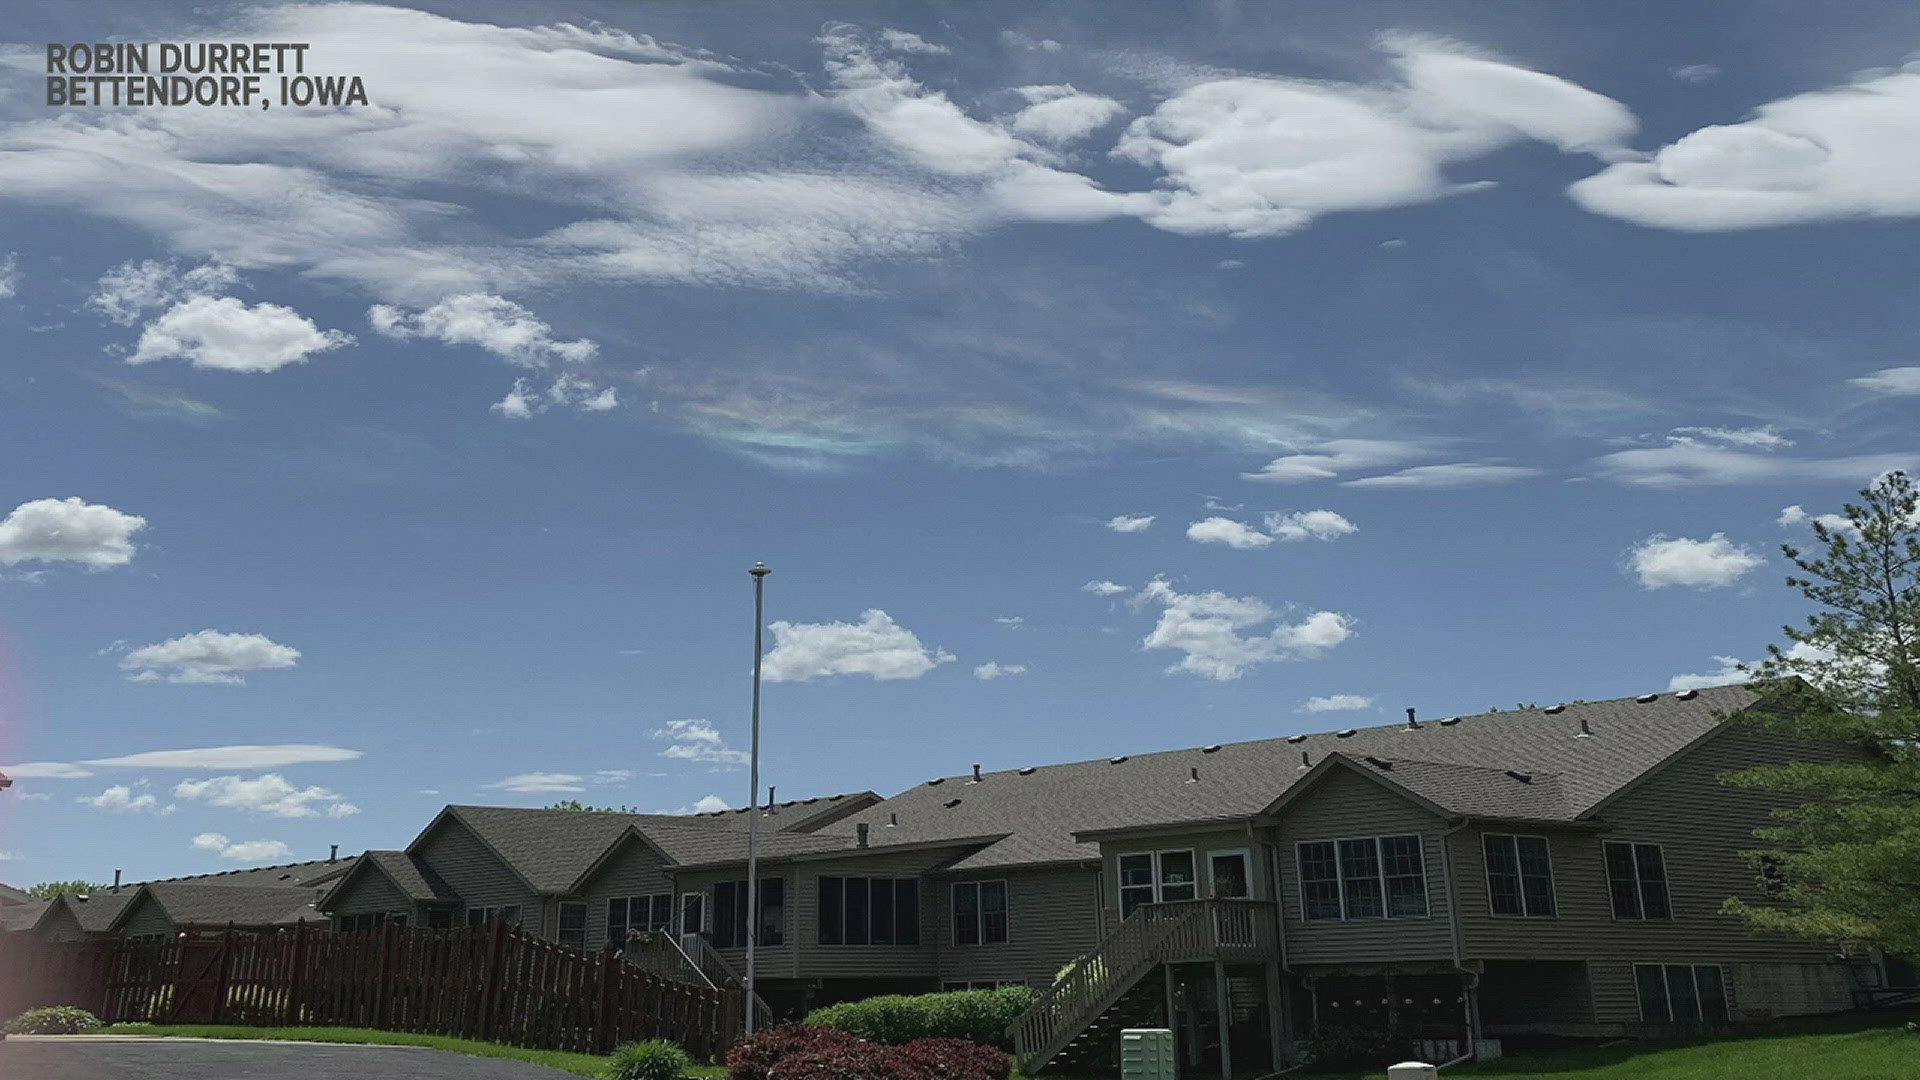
x,y
247,756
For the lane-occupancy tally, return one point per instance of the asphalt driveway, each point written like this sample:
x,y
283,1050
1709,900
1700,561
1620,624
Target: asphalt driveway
x,y
93,1057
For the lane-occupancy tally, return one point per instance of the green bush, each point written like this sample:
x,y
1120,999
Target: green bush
x,y
655,1059
980,1016
1356,1047
54,1020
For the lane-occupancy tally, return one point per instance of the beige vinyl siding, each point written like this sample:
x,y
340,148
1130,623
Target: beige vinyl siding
x,y
819,961
1053,916
369,891
1344,806
477,875
634,869
1201,843
1701,826
147,917
770,961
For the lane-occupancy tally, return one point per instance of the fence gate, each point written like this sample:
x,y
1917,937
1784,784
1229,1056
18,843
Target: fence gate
x,y
200,984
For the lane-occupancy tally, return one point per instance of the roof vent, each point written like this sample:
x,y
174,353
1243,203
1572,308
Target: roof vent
x,y
861,831
1380,763
1554,710
893,820
1644,698
1028,771
1687,695
835,798
333,853
936,780
1450,721
1412,724
1116,760
1296,738
1193,775
1585,731
1306,759
951,803
1523,777
976,772
808,802
1210,748
1343,733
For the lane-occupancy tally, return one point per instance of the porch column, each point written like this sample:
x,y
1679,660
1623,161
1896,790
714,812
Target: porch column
x,y
1278,1020
1470,987
1224,1008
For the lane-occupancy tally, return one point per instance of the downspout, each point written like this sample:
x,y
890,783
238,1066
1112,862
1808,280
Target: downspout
x,y
1471,978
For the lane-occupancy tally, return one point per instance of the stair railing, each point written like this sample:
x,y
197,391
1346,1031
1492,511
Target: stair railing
x,y
718,972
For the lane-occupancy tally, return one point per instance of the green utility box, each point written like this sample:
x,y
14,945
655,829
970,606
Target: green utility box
x,y
1147,1054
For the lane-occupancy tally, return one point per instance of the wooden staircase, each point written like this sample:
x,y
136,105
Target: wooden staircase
x,y
691,959
1155,934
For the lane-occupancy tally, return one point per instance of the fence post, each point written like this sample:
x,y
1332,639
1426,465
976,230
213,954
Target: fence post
x,y
490,987
221,972
611,974
733,1004
296,976
384,985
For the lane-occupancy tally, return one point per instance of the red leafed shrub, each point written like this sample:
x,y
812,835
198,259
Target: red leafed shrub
x,y
855,1061
752,1059
957,1059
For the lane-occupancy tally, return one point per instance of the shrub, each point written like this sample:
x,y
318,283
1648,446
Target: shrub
x,y
752,1058
1356,1047
655,1059
957,1059
979,1016
54,1020
855,1060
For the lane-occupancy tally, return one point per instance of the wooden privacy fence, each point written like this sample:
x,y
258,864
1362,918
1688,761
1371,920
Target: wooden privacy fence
x,y
494,983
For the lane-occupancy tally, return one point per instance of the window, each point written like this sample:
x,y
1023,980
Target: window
x,y
1227,870
368,920
979,984
730,913
1150,876
626,914
1681,993
572,929
980,913
482,916
869,911
1519,875
693,913
1364,878
1637,879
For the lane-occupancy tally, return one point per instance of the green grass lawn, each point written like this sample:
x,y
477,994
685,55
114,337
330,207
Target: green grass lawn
x,y
593,1065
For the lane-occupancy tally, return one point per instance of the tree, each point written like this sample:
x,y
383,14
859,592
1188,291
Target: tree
x,y
1844,865
47,890
577,805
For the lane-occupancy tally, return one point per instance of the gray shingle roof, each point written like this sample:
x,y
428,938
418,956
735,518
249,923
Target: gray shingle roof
x,y
414,877
285,875
1459,765
200,904
22,915
96,913
11,895
794,815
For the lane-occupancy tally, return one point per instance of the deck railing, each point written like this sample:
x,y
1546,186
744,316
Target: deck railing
x,y
718,972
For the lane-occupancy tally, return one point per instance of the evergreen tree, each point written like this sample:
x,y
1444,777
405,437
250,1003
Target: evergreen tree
x,y
1844,865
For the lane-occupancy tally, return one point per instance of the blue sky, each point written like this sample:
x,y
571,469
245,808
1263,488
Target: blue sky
x,y
365,459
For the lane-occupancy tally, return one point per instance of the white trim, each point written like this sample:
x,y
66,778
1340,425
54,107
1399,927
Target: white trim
x,y
1159,874
1246,860
1380,876
680,913
1520,877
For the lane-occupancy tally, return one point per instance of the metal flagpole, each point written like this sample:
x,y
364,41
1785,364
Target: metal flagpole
x,y
759,573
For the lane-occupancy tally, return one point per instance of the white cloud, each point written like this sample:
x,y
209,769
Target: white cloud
x,y
207,656
876,646
1760,438
1262,157
1219,530
612,776
1893,381
1337,703
706,804
1328,460
242,851
527,783
1058,115
120,797
1010,620
1792,515
131,289
1730,672
993,669
1309,525
268,793
1696,73
1713,563
45,770
1685,464
908,42
525,400
224,334
1795,515
232,757
9,275
493,323
68,530
1104,588
1210,629
1843,153
1130,523
697,740
1453,475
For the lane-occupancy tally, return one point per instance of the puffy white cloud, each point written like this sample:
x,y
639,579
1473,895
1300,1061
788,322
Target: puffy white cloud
x,y
45,770
1328,460
1337,703
706,804
1261,157
1688,463
1734,670
9,275
268,793
1843,153
1104,588
120,797
876,646
1716,562
1893,381
130,290
528,783
525,400
1452,475
243,850
232,757
207,656
1796,515
1791,515
1211,630
1058,115
224,334
993,669
1309,525
493,323
68,530
698,740
1130,523
1219,530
